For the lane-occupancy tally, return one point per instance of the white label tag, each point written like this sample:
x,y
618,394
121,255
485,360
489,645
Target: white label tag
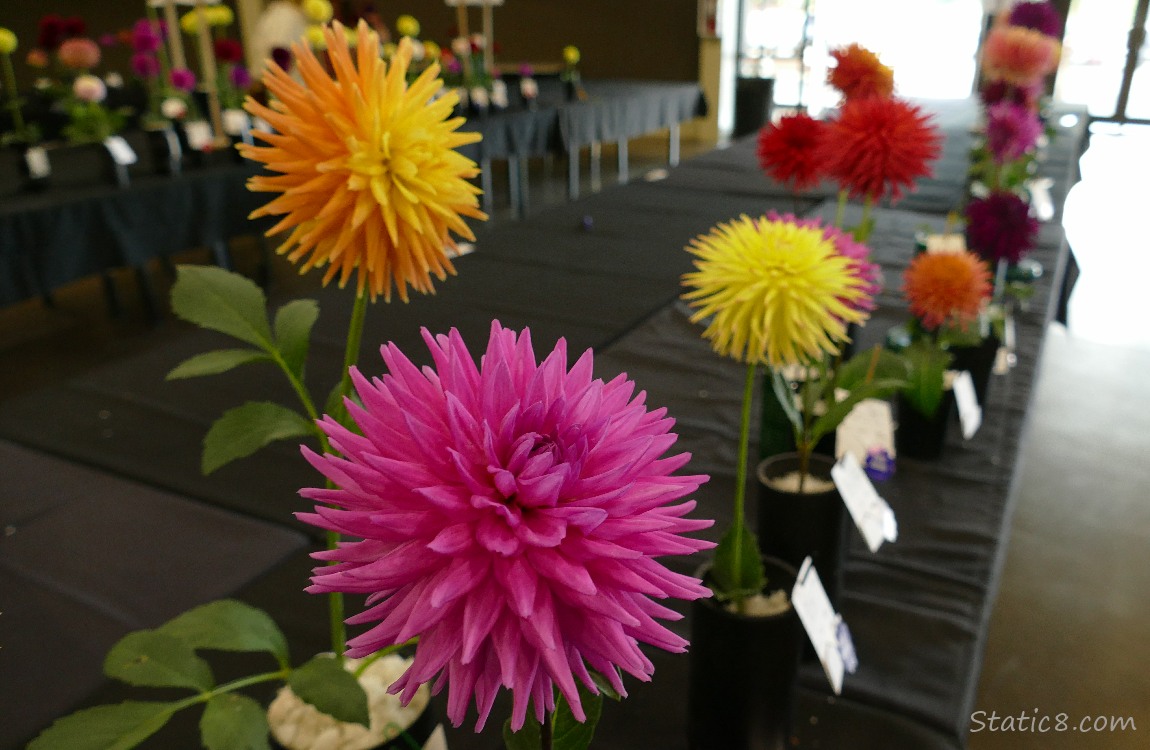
x,y
37,160
969,412
121,152
872,515
820,620
260,123
199,134
236,121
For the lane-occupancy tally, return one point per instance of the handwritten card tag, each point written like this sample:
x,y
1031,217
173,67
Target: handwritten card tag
x,y
872,515
121,152
969,412
38,165
869,425
199,134
820,621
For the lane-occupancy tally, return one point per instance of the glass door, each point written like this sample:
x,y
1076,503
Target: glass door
x,y
1104,61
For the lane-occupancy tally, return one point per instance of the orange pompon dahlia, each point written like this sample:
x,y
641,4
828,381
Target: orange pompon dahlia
x,y
858,73
1018,55
790,151
369,178
880,145
946,288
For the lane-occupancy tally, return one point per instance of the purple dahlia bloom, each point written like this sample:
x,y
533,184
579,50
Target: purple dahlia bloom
x,y
1011,130
1000,227
509,514
1042,16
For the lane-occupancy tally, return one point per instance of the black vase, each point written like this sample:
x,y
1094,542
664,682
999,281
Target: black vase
x,y
919,436
792,526
742,672
979,361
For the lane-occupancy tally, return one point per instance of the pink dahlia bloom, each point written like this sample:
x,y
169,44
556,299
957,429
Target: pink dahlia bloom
x,y
509,515
1018,55
1011,130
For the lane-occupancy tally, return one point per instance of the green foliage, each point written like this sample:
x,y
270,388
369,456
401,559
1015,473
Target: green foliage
x,y
737,569
216,363
529,737
223,301
245,429
114,727
925,385
570,733
325,684
150,658
234,722
229,625
293,324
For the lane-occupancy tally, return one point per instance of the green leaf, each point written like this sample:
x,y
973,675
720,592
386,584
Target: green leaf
x,y
873,364
838,411
228,625
530,737
605,687
927,376
786,399
737,570
333,690
293,326
571,734
117,727
149,658
223,301
234,722
245,429
214,363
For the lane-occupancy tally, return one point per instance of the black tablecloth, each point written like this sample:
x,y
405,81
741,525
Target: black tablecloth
x,y
604,273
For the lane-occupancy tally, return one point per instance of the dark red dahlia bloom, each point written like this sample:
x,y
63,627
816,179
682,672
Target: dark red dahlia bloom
x,y
879,146
790,151
1000,227
50,32
228,51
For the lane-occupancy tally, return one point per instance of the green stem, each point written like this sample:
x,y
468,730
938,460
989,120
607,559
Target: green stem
x,y
13,98
868,206
741,472
840,209
230,687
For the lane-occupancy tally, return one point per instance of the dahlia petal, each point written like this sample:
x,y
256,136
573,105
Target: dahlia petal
x,y
479,617
452,540
496,536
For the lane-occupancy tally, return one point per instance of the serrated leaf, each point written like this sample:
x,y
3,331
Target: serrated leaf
x,y
223,301
234,722
293,326
838,411
570,733
333,690
149,658
872,364
927,376
117,727
245,429
530,737
737,569
228,625
214,363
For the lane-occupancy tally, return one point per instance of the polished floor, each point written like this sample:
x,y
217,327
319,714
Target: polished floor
x,y
1068,634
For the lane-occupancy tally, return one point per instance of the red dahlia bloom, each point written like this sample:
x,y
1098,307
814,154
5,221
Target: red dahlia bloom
x,y
790,151
880,145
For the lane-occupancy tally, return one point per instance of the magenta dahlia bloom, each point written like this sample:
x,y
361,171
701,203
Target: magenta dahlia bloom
x,y
1041,16
846,246
1000,227
509,515
1011,130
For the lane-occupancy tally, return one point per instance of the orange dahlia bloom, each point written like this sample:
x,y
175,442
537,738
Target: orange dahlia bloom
x,y
946,288
859,73
878,145
369,178
1018,55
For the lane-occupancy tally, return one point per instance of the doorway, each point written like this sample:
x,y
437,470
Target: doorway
x,y
1104,62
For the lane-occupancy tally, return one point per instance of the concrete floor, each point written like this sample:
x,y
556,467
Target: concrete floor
x,y
1068,633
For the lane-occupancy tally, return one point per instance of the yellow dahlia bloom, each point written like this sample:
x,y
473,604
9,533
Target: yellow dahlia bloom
x,y
369,178
775,292
318,11
407,25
